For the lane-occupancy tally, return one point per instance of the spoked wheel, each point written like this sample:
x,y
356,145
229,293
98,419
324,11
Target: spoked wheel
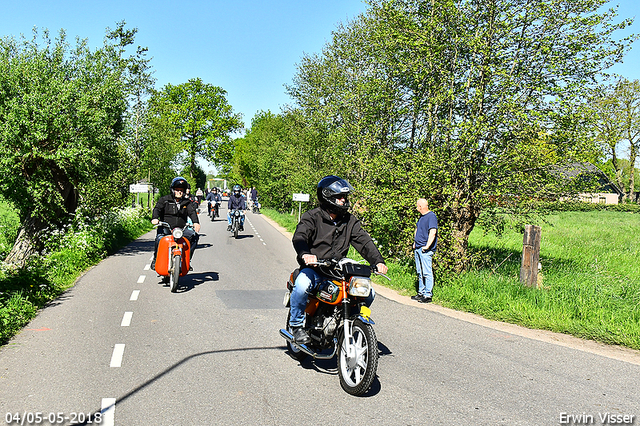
x,y
357,373
174,274
295,352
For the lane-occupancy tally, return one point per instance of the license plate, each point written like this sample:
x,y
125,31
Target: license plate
x,y
365,312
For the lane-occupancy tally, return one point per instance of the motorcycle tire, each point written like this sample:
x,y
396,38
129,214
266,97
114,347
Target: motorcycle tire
x,y
357,376
235,230
174,274
293,351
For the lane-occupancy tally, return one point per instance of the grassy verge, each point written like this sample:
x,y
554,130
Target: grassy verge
x,y
68,254
590,277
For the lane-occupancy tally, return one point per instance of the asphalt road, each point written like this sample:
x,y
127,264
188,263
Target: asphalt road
x,y
120,344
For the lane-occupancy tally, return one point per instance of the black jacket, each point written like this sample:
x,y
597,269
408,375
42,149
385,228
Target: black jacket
x,y
317,234
236,203
175,214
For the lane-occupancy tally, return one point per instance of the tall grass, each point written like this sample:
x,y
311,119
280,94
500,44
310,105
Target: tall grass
x,y
590,278
68,253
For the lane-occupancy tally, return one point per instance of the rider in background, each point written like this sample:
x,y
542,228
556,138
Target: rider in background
x,y
176,209
326,232
236,202
213,197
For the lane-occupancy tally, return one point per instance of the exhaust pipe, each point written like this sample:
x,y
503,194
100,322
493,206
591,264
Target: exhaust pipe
x,y
289,337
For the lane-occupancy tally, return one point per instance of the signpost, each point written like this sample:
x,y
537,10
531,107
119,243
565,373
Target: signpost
x,y
301,198
138,188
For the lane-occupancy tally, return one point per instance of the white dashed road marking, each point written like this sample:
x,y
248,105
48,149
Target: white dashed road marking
x,y
134,295
108,411
126,319
141,279
116,358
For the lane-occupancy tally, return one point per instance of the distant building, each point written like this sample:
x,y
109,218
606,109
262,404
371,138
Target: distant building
x,y
608,192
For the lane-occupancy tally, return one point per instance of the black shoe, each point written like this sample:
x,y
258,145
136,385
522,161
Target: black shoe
x,y
425,299
229,228
242,228
417,297
300,335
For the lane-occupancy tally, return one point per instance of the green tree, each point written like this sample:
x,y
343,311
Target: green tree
x,y
628,95
617,111
61,114
202,117
279,156
449,100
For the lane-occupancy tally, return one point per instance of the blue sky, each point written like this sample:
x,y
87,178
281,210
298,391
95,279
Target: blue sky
x,y
250,48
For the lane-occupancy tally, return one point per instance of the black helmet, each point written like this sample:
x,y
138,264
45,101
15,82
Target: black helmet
x,y
179,182
329,189
236,190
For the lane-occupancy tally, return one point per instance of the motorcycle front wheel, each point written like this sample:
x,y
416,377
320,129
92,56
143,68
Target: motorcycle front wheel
x,y
357,374
174,274
235,229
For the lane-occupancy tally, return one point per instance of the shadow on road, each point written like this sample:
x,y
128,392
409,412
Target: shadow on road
x,y
191,281
135,248
242,236
100,413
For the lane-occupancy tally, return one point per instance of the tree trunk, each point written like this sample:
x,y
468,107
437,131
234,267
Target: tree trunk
x,y
27,245
464,219
632,162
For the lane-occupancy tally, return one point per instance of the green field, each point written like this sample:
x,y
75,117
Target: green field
x,y
590,278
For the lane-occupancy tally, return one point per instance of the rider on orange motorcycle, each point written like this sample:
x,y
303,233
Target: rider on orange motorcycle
x,y
175,209
326,232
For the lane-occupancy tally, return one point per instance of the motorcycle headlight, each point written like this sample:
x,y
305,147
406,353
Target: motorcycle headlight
x,y
360,287
177,233
237,213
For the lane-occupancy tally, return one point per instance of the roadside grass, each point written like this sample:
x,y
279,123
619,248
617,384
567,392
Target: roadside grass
x,y
590,277
68,254
9,225
285,220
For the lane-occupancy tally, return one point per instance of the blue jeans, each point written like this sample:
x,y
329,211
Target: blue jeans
x,y
306,283
241,218
425,271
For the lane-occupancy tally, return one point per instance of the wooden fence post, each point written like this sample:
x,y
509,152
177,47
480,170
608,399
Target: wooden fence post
x,y
530,256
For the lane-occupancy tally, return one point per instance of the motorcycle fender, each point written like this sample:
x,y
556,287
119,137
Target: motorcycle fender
x,y
164,254
186,252
366,320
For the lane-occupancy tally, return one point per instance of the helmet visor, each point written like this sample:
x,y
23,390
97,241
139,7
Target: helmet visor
x,y
340,187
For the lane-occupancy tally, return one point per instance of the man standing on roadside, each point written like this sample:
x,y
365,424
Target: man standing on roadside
x,y
424,246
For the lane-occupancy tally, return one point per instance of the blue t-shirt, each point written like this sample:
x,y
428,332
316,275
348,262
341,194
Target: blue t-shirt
x,y
426,222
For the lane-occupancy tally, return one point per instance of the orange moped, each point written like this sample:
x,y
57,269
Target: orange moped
x,y
173,258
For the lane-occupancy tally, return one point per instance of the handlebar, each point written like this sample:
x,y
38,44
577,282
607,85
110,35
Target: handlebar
x,y
166,225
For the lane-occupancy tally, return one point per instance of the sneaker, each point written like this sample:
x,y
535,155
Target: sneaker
x,y
242,228
229,228
300,335
425,299
417,297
